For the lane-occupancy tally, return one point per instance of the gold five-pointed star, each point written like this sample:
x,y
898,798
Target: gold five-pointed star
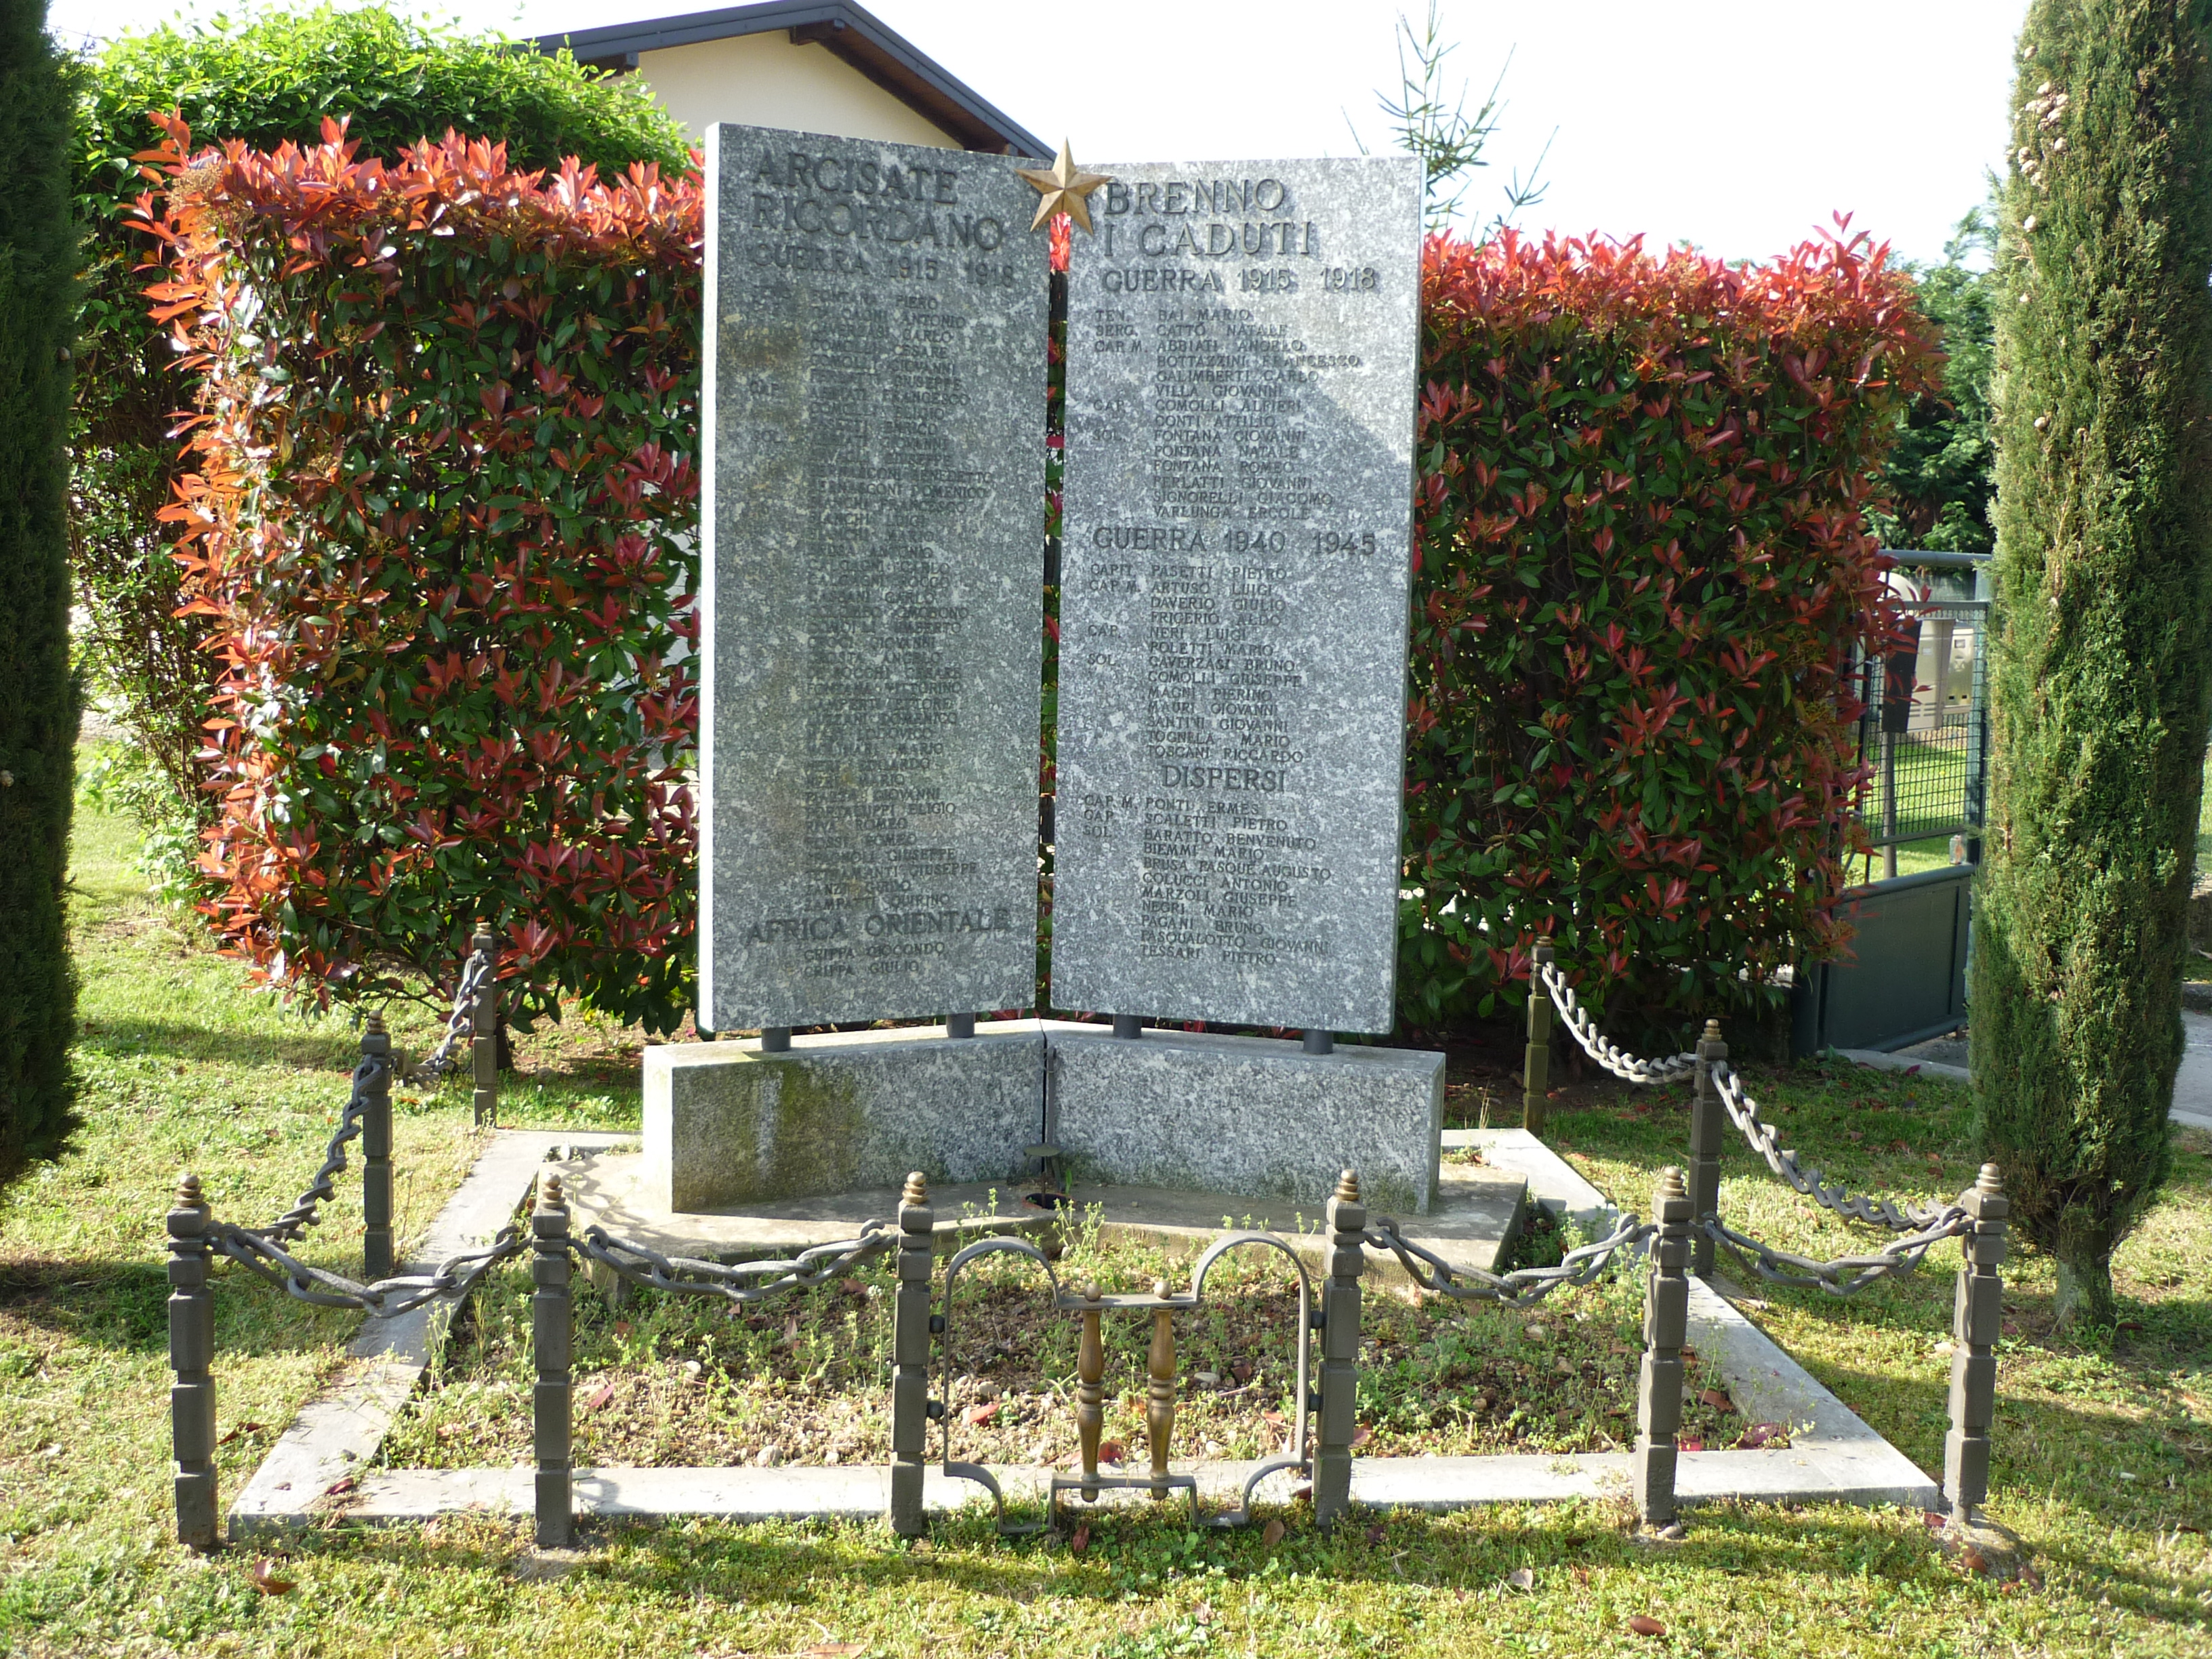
x,y
1063,186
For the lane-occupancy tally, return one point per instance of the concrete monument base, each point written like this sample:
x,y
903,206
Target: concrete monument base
x,y
727,1125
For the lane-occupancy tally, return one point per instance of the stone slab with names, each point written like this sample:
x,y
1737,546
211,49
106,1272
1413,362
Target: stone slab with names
x,y
1242,368
872,604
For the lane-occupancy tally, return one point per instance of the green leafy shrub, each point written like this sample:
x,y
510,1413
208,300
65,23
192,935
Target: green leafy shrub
x,y
275,77
440,525
38,696
1643,568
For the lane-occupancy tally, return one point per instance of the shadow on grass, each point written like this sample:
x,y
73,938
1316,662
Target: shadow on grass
x,y
122,1307
780,1568
334,1048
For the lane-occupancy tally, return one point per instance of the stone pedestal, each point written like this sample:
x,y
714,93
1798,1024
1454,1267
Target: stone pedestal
x,y
727,1125
1246,1114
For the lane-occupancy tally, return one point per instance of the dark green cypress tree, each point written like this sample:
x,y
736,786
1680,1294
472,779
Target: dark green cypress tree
x,y
2099,664
38,698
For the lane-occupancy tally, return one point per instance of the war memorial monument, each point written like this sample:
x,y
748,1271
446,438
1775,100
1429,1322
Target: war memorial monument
x,y
1233,582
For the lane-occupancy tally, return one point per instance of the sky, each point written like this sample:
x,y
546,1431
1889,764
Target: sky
x,y
1740,125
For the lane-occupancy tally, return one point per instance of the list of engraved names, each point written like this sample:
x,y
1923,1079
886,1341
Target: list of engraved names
x,y
872,600
1238,496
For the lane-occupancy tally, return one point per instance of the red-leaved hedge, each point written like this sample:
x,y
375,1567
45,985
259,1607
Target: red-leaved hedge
x,y
1643,568
440,518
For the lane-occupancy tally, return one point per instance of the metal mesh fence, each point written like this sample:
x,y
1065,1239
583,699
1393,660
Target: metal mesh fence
x,y
1924,732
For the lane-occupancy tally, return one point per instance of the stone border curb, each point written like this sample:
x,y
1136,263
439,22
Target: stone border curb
x,y
1834,1457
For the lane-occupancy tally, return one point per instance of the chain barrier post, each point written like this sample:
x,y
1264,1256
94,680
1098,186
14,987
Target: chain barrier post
x,y
1666,1327
376,1155
1160,1392
1346,1219
1706,1127
1537,1062
191,1352
552,1341
483,1031
1977,1320
1090,1391
910,1337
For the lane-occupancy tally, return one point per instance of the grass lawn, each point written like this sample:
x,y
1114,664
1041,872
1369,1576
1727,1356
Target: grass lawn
x,y
2103,1446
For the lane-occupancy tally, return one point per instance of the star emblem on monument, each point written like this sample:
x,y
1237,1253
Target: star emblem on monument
x,y
1063,186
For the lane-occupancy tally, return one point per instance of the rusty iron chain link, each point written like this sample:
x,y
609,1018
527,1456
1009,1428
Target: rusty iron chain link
x,y
1844,1276
306,1213
1743,1112
816,1266
460,1025
1629,1068
1521,1288
387,1298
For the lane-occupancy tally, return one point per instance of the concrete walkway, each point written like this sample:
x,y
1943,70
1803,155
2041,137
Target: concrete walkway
x,y
1945,1057
2192,1088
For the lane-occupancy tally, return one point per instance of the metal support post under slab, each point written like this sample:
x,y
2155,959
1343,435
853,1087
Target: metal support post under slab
x,y
1128,1025
960,1025
1977,1321
1344,1219
191,1352
1707,1125
1318,1042
775,1039
1666,1328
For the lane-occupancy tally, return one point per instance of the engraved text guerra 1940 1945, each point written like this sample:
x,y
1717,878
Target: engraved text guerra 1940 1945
x,y
1238,517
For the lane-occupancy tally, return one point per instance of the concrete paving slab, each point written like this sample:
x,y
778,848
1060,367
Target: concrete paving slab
x,y
2192,1085
1553,1181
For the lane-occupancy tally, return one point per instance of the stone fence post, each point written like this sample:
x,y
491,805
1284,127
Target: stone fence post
x,y
483,1029
1536,1059
552,1341
1708,1122
376,1157
191,1352
1976,1322
1346,1219
1666,1326
910,1337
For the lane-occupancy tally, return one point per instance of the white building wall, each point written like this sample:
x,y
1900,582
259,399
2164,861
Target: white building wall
x,y
766,80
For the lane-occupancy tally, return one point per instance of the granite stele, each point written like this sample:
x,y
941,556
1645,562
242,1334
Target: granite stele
x,y
1240,417
873,616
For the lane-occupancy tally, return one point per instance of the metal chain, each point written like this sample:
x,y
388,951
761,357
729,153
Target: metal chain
x,y
305,1213
1521,1288
1845,1275
686,1275
1743,1111
387,1298
1629,1068
460,1025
